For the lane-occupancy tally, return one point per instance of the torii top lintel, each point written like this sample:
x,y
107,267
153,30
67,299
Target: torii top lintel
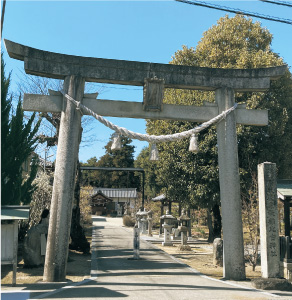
x,y
56,65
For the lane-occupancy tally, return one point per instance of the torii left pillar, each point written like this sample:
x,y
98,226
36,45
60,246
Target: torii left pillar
x,y
64,179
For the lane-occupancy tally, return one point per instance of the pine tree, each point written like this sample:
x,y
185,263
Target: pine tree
x,y
18,141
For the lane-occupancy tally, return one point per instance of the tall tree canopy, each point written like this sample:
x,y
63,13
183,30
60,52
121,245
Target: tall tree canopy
x,y
122,158
18,141
235,42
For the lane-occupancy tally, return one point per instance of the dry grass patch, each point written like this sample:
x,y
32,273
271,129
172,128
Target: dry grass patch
x,y
200,258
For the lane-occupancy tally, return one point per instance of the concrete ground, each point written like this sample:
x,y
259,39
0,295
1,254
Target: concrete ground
x,y
156,275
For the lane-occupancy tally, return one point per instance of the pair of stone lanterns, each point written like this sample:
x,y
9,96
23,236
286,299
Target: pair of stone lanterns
x,y
168,223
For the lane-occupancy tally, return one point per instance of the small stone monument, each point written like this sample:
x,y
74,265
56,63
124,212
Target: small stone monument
x,y
167,225
34,246
183,228
218,252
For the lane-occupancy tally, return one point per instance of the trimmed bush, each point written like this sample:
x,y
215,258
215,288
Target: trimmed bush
x,y
128,221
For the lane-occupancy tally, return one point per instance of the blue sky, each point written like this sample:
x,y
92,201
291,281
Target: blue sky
x,y
150,31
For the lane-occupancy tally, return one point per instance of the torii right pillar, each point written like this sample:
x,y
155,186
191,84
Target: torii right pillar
x,y
233,248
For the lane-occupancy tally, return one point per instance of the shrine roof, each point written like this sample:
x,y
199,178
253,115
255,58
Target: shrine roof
x,y
117,193
284,188
15,212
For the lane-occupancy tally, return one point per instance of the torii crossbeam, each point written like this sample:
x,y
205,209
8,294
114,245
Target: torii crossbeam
x,y
75,70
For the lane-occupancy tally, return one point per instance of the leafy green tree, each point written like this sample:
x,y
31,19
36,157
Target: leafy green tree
x,y
18,141
122,158
232,43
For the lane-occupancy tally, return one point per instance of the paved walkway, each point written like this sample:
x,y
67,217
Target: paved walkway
x,y
156,276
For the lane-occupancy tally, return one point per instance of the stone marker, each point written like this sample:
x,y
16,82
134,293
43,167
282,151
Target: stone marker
x,y
32,252
269,228
218,252
34,245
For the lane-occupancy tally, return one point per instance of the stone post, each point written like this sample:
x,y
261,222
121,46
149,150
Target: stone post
x,y
136,242
269,226
218,252
64,178
184,238
234,267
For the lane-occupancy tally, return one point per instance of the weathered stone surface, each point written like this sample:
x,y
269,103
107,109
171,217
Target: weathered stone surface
x,y
218,252
153,94
32,246
127,109
269,223
233,251
272,284
64,180
55,65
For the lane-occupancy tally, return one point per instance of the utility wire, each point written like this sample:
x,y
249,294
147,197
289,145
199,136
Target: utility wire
x,y
285,3
237,11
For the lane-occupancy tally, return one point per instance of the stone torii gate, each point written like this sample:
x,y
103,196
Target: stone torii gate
x,y
75,70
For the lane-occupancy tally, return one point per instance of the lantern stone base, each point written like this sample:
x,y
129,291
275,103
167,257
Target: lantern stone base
x,y
167,244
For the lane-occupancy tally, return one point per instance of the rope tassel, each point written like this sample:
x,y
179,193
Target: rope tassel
x,y
154,155
117,143
194,147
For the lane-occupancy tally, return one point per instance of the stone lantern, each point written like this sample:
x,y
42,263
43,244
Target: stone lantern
x,y
144,221
184,221
167,225
138,218
141,217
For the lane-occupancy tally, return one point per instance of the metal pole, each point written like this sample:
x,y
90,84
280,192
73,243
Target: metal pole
x,y
45,159
143,184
